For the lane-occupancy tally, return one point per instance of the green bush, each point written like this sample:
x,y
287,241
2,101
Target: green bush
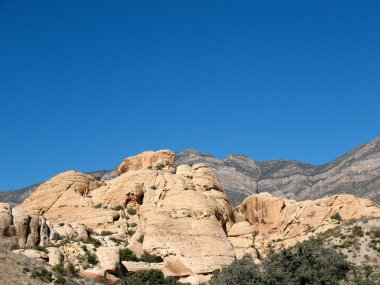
x,y
93,241
125,254
151,277
153,187
305,263
357,231
337,217
131,211
118,208
59,269
60,281
132,225
130,232
71,269
147,257
106,233
42,274
97,206
91,258
56,237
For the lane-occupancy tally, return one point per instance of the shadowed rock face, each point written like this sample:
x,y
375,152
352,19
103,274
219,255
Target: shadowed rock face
x,y
357,173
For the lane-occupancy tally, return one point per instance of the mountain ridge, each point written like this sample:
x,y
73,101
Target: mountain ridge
x,y
356,172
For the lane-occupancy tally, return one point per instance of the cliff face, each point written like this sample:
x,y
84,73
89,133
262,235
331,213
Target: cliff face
x,y
356,173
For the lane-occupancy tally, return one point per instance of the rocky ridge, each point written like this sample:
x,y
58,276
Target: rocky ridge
x,y
176,214
356,173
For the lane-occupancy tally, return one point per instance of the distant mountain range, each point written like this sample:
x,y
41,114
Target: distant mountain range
x,y
357,173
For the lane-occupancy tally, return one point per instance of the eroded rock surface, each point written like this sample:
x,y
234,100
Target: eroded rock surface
x,y
268,221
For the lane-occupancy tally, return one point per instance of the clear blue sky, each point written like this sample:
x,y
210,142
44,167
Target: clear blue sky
x,y
84,84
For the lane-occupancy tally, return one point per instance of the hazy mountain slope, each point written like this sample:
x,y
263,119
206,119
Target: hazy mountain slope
x,y
357,173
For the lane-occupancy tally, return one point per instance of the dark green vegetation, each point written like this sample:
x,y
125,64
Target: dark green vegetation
x,y
106,233
306,263
151,277
131,211
126,254
90,258
118,208
93,241
42,274
337,217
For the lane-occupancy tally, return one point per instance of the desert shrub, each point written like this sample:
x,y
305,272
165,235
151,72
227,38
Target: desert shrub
x,y
153,187
242,272
305,263
141,239
98,178
357,231
71,269
151,277
160,165
149,167
42,274
91,258
130,232
115,240
118,208
56,237
59,269
98,206
126,254
61,224
132,225
147,257
60,281
93,241
131,211
337,217
106,233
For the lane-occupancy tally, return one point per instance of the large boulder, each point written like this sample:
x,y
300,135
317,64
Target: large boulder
x,y
148,159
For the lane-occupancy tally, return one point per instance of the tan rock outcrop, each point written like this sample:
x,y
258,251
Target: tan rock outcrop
x,y
148,159
109,261
133,266
184,220
277,222
19,229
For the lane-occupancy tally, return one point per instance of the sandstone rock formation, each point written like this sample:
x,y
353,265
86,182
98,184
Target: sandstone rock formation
x,y
19,228
148,159
180,214
271,222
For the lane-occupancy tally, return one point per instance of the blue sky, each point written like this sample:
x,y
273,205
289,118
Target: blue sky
x,y
84,84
